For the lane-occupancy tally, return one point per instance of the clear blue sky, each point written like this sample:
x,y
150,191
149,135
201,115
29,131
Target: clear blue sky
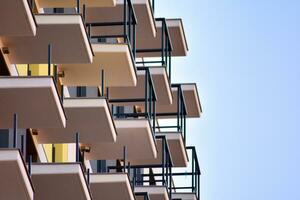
x,y
244,56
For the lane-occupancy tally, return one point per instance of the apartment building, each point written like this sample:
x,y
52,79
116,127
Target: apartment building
x,y
88,109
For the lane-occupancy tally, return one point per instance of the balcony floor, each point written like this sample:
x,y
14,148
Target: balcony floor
x,y
16,18
15,182
111,186
60,31
90,117
135,134
114,59
59,182
26,96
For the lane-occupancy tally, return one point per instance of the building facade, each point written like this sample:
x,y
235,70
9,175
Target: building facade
x,y
88,109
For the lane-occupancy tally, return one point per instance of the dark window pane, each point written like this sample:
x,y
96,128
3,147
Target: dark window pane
x,y
4,138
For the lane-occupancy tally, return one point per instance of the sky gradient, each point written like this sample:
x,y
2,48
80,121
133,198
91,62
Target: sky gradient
x,y
244,56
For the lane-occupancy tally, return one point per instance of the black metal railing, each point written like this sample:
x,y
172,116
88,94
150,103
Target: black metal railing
x,y
163,177
164,50
180,124
194,173
148,101
127,33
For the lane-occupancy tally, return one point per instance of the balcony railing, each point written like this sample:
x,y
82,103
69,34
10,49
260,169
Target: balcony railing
x,y
180,124
194,173
164,50
149,103
128,33
152,176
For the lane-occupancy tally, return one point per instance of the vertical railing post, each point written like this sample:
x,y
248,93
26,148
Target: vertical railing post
x,y
53,153
184,129
49,58
125,19
146,93
198,192
162,42
134,40
193,170
62,94
22,144
129,21
170,67
166,47
15,138
28,70
29,164
170,186
84,13
102,83
181,113
124,158
178,107
78,6
150,96
77,147
153,5
167,170
134,178
88,176
154,114
55,72
89,31
163,161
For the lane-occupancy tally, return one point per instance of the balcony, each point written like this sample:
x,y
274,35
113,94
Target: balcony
x,y
142,10
60,181
177,149
190,101
114,51
186,181
25,96
178,39
134,134
156,51
58,30
114,59
16,19
15,181
74,3
191,96
158,78
111,186
89,117
152,177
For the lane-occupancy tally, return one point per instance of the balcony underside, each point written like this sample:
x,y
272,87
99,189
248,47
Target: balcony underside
x,y
61,31
145,21
16,18
177,37
60,182
154,192
111,186
135,134
34,99
184,196
89,117
191,99
176,148
161,87
15,181
114,59
73,3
